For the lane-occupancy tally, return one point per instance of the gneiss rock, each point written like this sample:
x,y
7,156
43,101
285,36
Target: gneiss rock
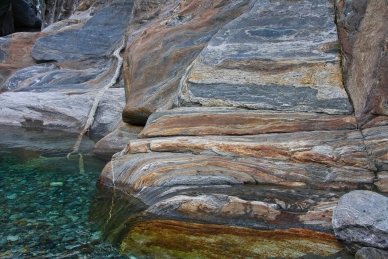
x,y
271,58
363,31
98,38
158,54
197,121
14,56
361,220
76,62
371,253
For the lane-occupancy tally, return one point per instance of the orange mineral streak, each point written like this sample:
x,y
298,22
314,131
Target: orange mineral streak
x,y
174,239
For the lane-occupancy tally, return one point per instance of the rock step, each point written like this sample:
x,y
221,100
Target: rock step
x,y
226,121
330,148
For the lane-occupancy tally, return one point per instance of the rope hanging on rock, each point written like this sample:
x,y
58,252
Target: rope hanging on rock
x,y
92,113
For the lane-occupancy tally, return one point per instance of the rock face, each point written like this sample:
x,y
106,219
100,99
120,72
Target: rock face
x,y
377,144
157,55
261,60
365,61
15,55
361,220
203,158
240,131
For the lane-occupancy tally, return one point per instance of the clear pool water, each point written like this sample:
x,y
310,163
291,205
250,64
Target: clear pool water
x,y
45,197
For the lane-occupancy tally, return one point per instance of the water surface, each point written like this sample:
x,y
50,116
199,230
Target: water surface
x,y
45,196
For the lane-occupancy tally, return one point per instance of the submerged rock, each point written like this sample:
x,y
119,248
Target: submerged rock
x,y
174,239
361,220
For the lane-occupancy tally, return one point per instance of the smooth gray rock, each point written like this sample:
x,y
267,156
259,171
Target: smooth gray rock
x,y
65,111
371,253
361,220
99,36
76,63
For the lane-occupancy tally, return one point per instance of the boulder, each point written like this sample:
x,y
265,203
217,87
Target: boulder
x,y
87,43
361,220
371,253
61,110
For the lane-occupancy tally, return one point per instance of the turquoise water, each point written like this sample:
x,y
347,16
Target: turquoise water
x,y
45,197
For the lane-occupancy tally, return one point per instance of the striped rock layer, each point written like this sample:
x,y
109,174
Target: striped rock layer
x,y
254,125
249,131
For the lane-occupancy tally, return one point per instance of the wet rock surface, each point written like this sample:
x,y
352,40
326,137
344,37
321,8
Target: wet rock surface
x,y
361,220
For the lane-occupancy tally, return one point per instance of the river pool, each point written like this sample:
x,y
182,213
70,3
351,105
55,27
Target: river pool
x,y
45,196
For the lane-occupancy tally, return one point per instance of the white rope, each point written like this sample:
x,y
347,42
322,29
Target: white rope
x,y
92,113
